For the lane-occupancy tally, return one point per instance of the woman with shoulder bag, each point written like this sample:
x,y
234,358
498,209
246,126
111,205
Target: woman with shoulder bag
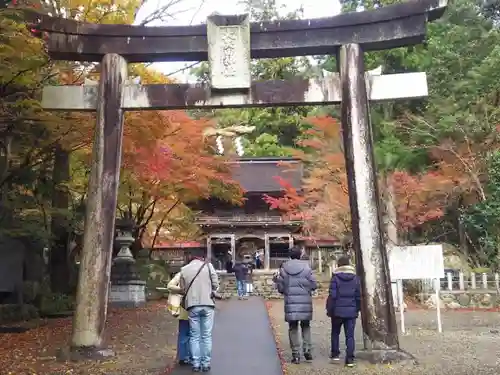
x,y
175,308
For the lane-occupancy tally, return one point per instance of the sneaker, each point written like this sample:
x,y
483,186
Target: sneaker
x,y
349,364
196,369
308,357
334,358
205,369
295,360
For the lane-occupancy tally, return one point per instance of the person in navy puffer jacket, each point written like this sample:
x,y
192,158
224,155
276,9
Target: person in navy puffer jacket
x,y
342,306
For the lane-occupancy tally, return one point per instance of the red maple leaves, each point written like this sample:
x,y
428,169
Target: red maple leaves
x,y
419,198
324,200
291,201
172,156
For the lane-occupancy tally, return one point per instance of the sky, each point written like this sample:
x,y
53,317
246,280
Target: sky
x,y
192,12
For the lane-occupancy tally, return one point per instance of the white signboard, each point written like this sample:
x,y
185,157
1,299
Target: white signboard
x,y
416,262
413,263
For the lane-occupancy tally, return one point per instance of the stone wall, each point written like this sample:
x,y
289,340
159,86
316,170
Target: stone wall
x,y
263,285
459,290
460,299
456,299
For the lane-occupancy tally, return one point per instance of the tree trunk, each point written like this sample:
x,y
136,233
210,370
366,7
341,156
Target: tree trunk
x,y
6,154
59,267
462,231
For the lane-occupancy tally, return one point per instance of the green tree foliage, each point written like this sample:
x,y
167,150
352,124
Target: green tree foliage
x,y
482,220
266,145
452,132
26,132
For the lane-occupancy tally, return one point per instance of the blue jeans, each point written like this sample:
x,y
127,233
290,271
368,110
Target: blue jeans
x,y
241,288
201,322
349,326
183,352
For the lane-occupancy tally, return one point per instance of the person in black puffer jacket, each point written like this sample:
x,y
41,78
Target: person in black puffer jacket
x,y
342,306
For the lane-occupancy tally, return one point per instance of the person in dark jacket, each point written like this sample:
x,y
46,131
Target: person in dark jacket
x,y
229,262
240,270
296,282
343,306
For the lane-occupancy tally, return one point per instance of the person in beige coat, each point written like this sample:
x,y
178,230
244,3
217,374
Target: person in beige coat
x,y
174,306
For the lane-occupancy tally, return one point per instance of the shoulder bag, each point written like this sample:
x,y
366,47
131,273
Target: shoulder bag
x,y
183,301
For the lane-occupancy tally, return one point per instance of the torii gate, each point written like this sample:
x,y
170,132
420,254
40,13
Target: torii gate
x,y
229,42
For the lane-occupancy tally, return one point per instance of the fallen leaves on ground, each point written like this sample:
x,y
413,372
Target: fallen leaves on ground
x,y
275,327
143,340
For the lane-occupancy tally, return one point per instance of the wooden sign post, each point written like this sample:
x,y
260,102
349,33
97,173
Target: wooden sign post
x,y
421,262
228,42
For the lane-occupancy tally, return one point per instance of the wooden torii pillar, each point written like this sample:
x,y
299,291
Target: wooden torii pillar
x,y
229,44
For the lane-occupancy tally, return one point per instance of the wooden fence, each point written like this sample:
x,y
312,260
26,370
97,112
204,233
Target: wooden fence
x,y
457,281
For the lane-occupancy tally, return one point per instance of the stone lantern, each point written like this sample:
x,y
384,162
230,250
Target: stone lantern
x,y
127,288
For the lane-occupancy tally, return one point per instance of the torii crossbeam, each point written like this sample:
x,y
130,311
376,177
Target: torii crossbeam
x,y
228,43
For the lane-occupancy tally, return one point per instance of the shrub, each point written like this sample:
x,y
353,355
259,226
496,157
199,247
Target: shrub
x,y
56,303
11,313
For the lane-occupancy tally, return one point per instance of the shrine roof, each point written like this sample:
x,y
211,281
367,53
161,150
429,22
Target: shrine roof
x,y
263,174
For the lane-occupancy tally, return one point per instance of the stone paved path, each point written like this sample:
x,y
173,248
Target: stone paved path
x,y
243,342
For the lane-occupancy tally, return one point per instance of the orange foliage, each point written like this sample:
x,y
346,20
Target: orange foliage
x,y
290,203
459,169
167,154
166,160
324,201
73,130
419,198
465,164
325,187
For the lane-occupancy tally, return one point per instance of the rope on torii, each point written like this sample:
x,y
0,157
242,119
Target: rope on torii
x,y
234,132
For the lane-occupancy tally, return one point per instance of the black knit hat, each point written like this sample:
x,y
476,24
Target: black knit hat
x,y
295,252
343,261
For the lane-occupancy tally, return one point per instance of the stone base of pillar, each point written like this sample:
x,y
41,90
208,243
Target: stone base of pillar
x,y
386,356
128,294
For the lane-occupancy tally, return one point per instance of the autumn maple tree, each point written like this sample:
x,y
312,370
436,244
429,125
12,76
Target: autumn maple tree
x,y
168,162
419,198
40,150
323,202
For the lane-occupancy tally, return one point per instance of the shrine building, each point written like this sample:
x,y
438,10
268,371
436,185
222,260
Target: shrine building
x,y
252,226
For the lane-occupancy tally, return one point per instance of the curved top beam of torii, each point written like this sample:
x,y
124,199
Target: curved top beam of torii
x,y
383,28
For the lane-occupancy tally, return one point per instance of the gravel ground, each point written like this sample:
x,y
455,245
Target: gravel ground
x,y
469,344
